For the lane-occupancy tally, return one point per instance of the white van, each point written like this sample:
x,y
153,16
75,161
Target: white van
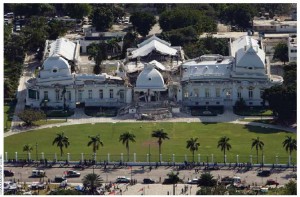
x,y
38,173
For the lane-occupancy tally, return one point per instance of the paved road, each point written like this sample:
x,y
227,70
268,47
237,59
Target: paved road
x,y
110,174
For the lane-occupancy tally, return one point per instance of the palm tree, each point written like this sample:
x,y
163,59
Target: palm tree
x,y
192,144
95,141
174,179
289,144
27,148
125,138
91,182
258,145
61,141
224,145
161,135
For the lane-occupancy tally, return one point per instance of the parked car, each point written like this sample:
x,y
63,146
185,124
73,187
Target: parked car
x,y
38,173
167,181
193,181
8,173
122,179
148,181
272,182
264,173
59,179
72,173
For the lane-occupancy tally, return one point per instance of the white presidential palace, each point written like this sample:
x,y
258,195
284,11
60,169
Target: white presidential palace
x,y
153,73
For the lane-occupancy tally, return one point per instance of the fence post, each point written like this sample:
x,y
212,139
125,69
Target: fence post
x,y
42,155
6,157
108,158
237,158
16,156
199,159
173,158
212,158
68,157
55,157
82,157
122,157
134,157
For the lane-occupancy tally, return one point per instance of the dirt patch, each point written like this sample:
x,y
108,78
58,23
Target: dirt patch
x,y
153,143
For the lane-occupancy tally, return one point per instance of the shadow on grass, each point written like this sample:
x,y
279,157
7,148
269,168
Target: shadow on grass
x,y
263,130
208,123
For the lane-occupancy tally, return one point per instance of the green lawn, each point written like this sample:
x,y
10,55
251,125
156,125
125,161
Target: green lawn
x,y
8,113
254,111
179,133
264,121
45,122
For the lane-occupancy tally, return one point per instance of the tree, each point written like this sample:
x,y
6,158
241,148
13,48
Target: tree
x,y
258,145
161,135
224,145
29,116
193,145
174,179
102,18
207,180
125,138
27,148
91,182
290,145
56,29
98,52
142,22
290,188
281,52
95,141
77,10
61,141
33,9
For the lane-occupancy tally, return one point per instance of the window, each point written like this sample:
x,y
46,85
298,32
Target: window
x,y
57,95
80,95
90,94
122,95
250,93
46,95
111,93
186,94
218,92
293,50
239,93
32,94
261,93
207,93
100,94
69,95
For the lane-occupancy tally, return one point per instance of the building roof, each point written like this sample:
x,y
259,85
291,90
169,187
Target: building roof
x,y
153,45
158,65
247,52
150,78
212,67
153,38
63,47
55,66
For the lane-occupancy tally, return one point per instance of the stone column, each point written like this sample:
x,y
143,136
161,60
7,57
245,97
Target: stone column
x,y
43,156
82,157
199,159
251,159
122,157
16,156
212,158
237,158
225,158
68,157
160,156
147,157
108,157
55,157
134,157
6,157
173,158
276,159
29,156
185,157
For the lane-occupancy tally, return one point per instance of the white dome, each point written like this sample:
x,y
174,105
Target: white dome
x,y
150,78
55,66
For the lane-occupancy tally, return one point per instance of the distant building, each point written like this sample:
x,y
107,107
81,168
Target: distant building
x,y
274,26
269,41
292,47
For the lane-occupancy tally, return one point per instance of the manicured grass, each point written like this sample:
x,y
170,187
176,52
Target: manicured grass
x,y
208,134
45,122
8,114
254,111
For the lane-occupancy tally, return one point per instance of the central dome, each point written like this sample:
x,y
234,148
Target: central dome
x,y
150,78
